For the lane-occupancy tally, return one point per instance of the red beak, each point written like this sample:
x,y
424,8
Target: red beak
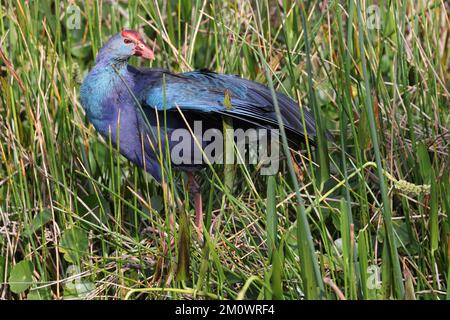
x,y
144,51
141,49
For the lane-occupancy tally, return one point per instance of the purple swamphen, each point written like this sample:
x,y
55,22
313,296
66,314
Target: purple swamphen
x,y
113,92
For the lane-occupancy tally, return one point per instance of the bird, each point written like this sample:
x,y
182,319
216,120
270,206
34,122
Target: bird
x,y
137,108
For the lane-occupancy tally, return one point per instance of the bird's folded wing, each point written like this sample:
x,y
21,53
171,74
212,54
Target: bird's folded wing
x,y
205,91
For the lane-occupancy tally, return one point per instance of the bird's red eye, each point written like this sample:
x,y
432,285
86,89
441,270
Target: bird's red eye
x,y
127,41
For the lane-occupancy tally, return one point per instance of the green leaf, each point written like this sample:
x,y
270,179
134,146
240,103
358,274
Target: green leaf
x,y
402,237
77,287
39,294
363,254
277,273
78,290
232,277
74,244
227,124
2,268
271,214
21,276
39,220
409,286
364,131
98,208
157,203
81,51
434,221
424,162
183,251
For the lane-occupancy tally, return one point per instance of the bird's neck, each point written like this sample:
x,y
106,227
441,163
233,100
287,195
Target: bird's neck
x,y
109,73
103,84
110,63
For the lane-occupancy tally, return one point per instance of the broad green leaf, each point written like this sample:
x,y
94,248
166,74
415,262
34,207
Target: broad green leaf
x,y
77,287
157,203
77,290
39,294
74,244
21,276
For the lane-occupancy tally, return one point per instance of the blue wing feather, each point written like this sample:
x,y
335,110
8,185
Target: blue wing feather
x,y
204,91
